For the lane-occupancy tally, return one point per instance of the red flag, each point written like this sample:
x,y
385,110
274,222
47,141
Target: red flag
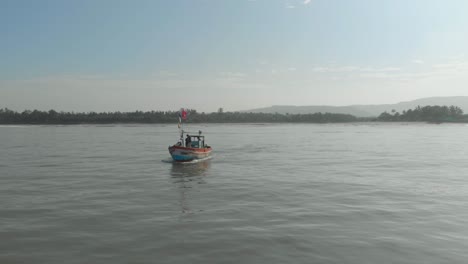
x,y
183,113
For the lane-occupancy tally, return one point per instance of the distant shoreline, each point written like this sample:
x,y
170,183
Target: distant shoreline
x,y
235,123
428,114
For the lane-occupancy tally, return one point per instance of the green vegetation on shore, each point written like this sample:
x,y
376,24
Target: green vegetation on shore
x,y
436,114
52,117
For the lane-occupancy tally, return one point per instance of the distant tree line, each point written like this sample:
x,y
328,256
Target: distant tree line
x,y
435,114
8,116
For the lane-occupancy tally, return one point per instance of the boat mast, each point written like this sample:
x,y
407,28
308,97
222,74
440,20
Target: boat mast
x,y
181,130
182,115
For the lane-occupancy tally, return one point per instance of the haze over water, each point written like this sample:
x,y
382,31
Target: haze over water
x,y
283,193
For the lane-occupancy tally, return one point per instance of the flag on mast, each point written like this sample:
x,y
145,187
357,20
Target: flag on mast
x,y
182,115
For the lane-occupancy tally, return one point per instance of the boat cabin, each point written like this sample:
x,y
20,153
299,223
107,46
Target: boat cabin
x,y
192,140
196,141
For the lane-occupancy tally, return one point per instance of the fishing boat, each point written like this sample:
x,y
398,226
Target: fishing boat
x,y
192,148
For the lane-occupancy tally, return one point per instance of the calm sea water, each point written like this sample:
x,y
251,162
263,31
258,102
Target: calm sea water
x,y
340,193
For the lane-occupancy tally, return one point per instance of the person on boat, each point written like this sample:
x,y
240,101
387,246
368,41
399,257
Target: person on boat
x,y
188,142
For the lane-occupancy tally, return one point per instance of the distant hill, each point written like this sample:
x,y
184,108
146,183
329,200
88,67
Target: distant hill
x,y
366,110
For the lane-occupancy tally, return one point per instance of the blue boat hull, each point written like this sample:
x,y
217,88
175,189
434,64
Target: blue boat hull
x,y
183,154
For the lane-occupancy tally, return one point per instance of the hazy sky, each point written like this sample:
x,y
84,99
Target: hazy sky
x,y
110,55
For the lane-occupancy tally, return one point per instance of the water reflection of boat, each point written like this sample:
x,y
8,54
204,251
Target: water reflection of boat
x,y
187,176
190,169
